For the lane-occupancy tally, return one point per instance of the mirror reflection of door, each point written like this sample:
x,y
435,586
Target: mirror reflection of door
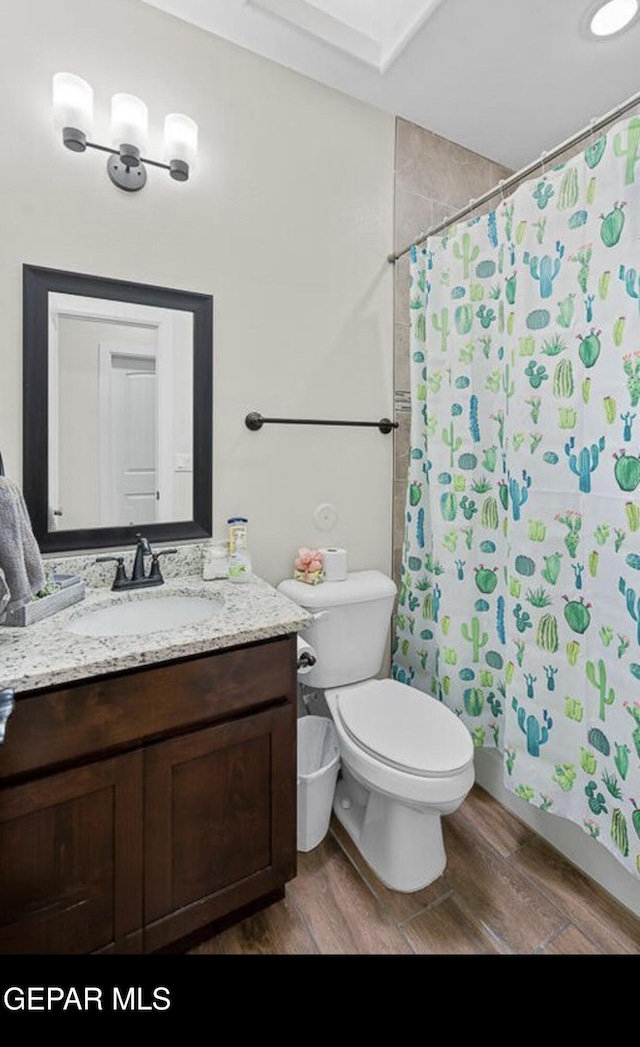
x,y
128,436
120,414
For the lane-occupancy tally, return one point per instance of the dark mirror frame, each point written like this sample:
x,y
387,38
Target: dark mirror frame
x,y
38,282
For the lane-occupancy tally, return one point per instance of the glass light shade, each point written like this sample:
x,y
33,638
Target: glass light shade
x,y
613,16
72,103
129,121
180,138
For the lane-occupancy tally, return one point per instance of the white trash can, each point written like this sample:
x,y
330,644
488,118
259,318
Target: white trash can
x,y
318,766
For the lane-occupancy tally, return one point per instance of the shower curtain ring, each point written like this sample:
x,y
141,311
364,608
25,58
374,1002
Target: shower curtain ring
x,y
543,157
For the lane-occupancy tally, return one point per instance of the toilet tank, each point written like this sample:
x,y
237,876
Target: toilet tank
x,y
350,631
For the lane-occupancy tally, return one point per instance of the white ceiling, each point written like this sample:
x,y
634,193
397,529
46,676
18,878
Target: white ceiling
x,y
509,79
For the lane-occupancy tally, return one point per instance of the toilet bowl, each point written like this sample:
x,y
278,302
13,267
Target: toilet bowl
x,y
406,759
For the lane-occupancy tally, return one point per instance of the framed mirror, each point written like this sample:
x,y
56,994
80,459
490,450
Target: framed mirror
x,y
117,410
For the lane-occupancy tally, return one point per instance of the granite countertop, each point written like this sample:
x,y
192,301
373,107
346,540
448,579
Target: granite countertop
x,y
46,654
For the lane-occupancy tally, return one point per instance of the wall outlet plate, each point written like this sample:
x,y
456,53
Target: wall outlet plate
x,y
325,516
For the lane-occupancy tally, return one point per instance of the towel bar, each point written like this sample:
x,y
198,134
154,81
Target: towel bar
x,y
255,421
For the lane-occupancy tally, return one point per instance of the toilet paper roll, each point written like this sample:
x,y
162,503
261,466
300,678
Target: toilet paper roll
x,y
306,657
335,564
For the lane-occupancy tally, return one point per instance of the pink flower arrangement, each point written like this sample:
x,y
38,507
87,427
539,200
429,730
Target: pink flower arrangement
x,y
309,566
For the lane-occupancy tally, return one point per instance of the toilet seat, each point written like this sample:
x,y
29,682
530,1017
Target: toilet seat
x,y
404,728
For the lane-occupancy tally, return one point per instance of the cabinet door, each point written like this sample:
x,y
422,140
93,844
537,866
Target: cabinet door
x,y
71,861
220,811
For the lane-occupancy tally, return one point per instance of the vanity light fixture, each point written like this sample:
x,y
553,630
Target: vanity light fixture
x,y
73,118
612,16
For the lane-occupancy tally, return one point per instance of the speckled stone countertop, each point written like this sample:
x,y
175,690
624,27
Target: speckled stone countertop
x,y
46,654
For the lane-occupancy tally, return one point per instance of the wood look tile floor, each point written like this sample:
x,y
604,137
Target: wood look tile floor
x,y
504,891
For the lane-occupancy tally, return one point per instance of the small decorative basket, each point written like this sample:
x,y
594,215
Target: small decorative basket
x,y
309,577
42,607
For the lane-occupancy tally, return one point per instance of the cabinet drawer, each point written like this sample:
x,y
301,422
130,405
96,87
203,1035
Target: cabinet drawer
x,y
115,712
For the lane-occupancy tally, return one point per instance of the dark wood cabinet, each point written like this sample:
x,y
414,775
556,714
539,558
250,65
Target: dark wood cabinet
x,y
71,874
139,809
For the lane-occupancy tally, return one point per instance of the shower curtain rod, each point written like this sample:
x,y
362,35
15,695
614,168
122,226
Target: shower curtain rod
x,y
596,125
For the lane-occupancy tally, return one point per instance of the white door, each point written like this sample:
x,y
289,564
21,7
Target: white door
x,y
130,437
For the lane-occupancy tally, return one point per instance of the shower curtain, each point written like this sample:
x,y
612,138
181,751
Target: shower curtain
x,y
519,603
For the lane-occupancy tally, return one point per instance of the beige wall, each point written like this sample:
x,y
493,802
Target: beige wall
x,y
287,222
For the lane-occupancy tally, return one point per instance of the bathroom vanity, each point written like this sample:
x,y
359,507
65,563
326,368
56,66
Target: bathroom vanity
x,y
148,765
147,782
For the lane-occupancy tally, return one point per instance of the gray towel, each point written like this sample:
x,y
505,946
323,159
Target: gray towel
x,y
20,557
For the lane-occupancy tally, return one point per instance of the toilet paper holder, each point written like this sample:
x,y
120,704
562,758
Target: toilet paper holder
x,y
306,659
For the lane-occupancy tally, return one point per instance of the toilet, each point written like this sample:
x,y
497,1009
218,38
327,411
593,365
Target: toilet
x,y
406,759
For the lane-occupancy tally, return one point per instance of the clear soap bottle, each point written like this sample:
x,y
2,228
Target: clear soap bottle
x,y
239,556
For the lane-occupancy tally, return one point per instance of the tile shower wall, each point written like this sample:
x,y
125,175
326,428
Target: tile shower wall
x,y
434,178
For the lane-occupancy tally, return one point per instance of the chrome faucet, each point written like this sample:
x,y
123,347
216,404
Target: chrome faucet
x,y
139,579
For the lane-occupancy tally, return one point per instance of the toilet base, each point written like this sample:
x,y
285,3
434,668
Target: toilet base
x,y
402,844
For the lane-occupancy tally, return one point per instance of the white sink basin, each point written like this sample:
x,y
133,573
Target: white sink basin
x,y
146,615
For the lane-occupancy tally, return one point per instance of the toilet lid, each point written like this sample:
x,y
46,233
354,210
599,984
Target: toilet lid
x,y
405,728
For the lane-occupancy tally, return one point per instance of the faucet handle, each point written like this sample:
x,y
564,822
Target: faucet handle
x,y
154,570
121,574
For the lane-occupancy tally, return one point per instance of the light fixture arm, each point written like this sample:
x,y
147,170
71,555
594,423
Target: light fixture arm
x,y
125,166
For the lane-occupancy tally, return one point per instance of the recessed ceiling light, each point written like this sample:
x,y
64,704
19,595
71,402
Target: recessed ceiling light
x,y
613,16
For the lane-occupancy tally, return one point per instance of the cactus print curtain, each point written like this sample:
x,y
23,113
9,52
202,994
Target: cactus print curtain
x,y
519,604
